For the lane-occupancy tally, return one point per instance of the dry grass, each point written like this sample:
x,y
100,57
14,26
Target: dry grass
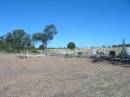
x,y
60,77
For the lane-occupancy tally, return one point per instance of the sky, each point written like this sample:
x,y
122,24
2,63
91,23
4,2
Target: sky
x,y
88,23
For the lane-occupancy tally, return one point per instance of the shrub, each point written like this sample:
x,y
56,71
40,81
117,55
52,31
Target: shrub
x,y
34,51
71,45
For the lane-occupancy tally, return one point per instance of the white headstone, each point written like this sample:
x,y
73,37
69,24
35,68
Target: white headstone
x,y
128,51
94,52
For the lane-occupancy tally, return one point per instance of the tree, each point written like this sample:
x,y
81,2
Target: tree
x,y
27,43
48,33
103,46
19,39
114,46
16,40
41,47
71,45
8,42
39,37
2,46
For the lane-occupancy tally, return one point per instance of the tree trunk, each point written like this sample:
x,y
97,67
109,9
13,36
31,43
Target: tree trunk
x,y
45,49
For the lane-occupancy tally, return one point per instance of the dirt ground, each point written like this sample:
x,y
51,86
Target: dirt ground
x,y
61,77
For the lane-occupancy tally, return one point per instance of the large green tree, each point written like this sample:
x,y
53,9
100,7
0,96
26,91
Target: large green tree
x,y
49,32
46,35
16,40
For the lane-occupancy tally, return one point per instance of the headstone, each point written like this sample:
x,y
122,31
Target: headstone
x,y
128,51
94,52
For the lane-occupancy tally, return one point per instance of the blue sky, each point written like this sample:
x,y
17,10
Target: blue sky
x,y
85,22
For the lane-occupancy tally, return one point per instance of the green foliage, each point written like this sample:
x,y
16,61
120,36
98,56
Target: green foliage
x,y
18,39
37,36
15,41
103,46
46,35
41,47
50,31
34,50
71,45
120,45
2,46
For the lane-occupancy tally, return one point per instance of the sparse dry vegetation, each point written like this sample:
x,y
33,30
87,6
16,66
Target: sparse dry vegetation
x,y
61,77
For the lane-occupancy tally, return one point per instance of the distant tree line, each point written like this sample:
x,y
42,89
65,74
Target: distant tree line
x,y
121,45
19,39
113,46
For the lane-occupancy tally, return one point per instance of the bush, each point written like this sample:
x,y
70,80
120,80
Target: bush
x,y
71,45
34,51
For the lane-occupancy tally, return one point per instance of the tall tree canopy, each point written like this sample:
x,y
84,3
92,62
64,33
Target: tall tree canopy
x,y
16,40
19,39
46,35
